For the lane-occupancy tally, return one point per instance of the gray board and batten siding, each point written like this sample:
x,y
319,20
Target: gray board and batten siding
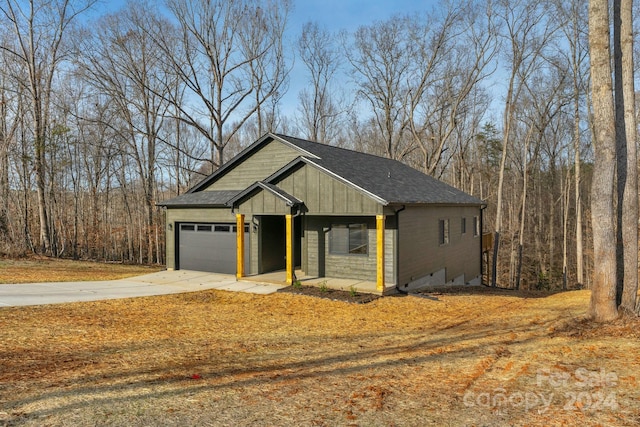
x,y
262,163
319,261
420,252
334,186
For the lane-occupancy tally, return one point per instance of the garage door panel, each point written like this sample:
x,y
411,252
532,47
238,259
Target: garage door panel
x,y
209,247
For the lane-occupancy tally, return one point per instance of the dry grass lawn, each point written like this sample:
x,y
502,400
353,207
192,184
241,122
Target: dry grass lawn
x,y
478,358
40,269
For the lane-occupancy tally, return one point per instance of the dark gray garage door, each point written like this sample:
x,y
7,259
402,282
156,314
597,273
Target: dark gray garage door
x,y
210,247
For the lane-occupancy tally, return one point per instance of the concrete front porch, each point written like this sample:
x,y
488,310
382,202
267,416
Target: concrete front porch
x,y
363,286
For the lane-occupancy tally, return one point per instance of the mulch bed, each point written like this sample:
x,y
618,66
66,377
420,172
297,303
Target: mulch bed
x,y
430,293
331,294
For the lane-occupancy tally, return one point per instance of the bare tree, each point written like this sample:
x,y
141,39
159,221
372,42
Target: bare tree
x,y
627,162
455,55
572,16
9,122
122,63
527,35
229,56
603,291
40,28
269,71
382,57
544,94
320,113
467,169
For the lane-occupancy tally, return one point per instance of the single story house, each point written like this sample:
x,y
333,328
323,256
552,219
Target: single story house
x,y
285,203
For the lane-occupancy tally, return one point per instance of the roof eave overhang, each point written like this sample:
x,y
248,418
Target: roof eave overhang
x,y
439,204
194,206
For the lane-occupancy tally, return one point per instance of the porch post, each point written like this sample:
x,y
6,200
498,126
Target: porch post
x,y
240,246
289,251
380,253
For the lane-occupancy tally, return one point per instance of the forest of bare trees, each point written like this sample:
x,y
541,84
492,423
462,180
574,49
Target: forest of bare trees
x,y
105,113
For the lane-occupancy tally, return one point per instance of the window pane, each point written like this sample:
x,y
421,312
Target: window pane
x,y
358,239
446,231
204,228
222,228
463,225
443,231
349,239
187,227
339,239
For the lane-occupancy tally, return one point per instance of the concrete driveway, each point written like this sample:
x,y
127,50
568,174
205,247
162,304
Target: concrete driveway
x,y
160,283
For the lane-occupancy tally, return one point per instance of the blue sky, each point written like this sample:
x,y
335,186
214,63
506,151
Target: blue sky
x,y
336,15
332,15
350,14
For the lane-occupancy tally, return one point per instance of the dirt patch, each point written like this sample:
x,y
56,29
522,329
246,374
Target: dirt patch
x,y
485,291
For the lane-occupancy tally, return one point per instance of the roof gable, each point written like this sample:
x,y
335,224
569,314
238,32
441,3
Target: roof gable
x,y
302,161
265,199
386,179
288,199
254,163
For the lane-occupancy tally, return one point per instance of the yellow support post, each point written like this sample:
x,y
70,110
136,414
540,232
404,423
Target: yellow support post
x,y
380,253
239,246
289,254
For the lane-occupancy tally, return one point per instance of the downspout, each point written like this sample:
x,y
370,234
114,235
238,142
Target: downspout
x,y
397,249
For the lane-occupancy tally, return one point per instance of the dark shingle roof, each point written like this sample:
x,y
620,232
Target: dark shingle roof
x,y
388,179
200,199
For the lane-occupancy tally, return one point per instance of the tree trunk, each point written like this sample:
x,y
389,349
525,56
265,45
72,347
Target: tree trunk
x,y
40,172
523,210
494,260
566,197
603,293
508,113
578,197
628,162
5,139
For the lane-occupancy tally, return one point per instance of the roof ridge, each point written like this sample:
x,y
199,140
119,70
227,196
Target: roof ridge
x,y
322,144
